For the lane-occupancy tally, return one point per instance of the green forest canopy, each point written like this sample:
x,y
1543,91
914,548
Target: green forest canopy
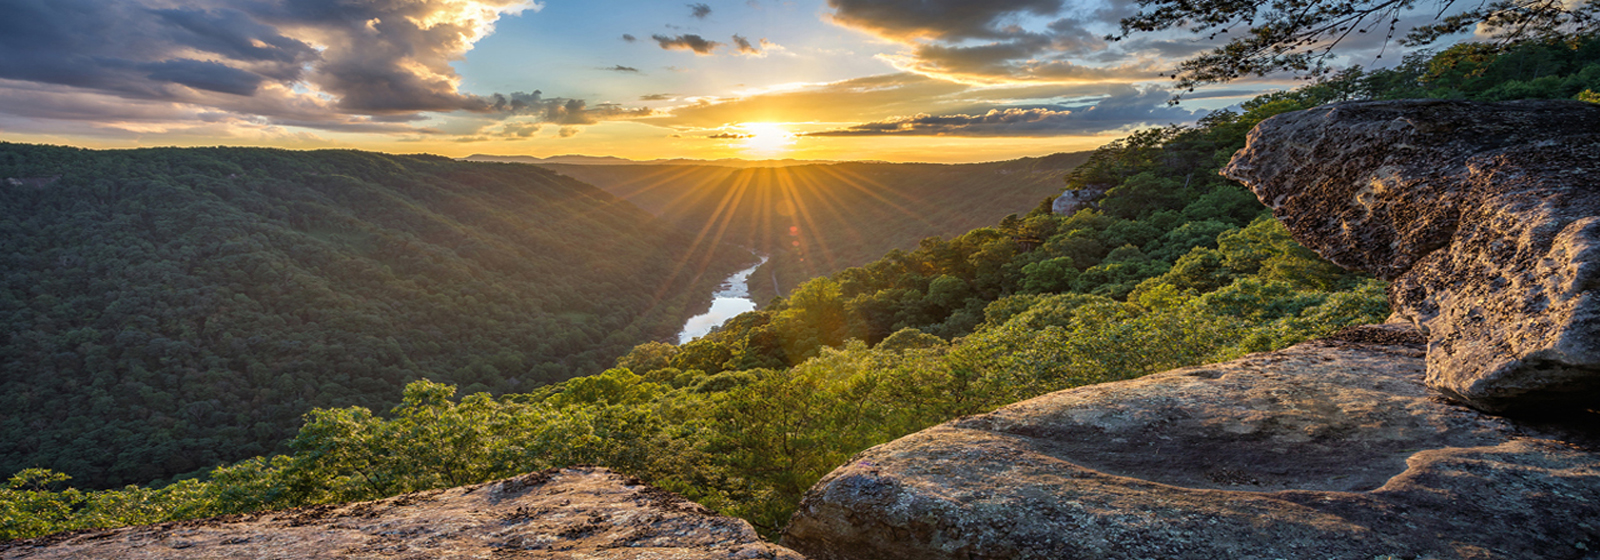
x,y
1178,267
168,310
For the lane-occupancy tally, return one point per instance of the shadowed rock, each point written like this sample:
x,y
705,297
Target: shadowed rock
x,y
1329,449
589,513
1486,217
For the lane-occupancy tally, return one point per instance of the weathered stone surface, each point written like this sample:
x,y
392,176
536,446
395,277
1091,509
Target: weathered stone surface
x,y
1070,202
1330,449
1485,215
577,513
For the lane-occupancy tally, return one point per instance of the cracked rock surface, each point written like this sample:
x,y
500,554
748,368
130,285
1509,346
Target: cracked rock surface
x,y
575,513
1328,449
1486,217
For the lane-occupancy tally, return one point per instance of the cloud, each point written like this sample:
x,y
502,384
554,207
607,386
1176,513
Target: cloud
x,y
990,42
1125,109
629,37
854,100
368,66
937,19
563,111
623,69
520,129
699,11
204,75
730,136
872,98
745,47
689,42
656,97
1016,61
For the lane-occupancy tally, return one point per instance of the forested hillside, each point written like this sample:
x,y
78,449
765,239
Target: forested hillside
x,y
818,219
1177,267
172,309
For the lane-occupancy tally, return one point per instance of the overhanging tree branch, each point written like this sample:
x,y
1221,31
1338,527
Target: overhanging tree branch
x,y
1299,36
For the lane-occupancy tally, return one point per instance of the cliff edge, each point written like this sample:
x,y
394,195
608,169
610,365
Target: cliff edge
x,y
1373,443
1328,449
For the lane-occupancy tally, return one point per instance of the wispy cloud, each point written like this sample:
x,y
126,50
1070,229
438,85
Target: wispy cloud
x,y
1125,109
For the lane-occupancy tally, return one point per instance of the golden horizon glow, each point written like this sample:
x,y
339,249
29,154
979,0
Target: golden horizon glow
x,y
766,139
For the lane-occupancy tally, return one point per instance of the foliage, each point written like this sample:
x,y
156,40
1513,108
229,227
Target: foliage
x,y
748,417
168,310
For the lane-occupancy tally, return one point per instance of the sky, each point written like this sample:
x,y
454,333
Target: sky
x,y
890,80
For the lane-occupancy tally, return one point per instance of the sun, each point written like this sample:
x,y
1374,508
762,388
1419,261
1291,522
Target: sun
x,y
766,138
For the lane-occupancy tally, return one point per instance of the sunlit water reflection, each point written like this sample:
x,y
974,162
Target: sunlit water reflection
x,y
731,299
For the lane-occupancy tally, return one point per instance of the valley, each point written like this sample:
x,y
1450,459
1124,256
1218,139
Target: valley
x,y
817,219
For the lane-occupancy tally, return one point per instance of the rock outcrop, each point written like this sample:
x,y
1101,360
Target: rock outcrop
x,y
1070,202
1329,449
587,513
1485,216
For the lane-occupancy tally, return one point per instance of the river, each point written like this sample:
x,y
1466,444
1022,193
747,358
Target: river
x,y
730,299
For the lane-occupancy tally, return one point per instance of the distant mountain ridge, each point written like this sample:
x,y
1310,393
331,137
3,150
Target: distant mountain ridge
x,y
574,159
820,218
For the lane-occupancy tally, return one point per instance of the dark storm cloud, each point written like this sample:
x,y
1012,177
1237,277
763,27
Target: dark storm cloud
x,y
696,43
1126,108
699,11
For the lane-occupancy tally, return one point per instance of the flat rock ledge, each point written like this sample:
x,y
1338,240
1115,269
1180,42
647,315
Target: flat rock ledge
x,y
575,513
1328,449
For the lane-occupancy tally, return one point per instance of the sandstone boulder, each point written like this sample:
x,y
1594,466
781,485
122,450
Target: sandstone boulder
x,y
1329,449
1486,216
588,513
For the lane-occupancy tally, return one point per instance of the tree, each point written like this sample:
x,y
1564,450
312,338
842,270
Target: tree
x,y
1300,35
